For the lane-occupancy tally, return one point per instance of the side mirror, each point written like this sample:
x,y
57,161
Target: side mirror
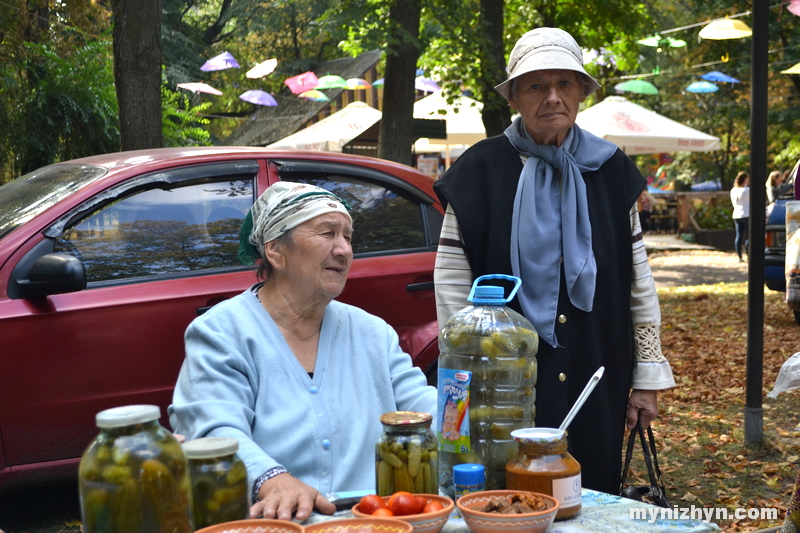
x,y
55,273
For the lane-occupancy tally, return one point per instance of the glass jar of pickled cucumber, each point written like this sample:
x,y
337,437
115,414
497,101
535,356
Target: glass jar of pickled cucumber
x,y
406,456
133,477
219,481
486,386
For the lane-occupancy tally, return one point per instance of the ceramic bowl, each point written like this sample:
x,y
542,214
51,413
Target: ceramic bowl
x,y
256,525
425,522
361,525
479,522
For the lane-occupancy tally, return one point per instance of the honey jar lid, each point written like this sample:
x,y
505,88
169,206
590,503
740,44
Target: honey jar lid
x,y
538,435
405,418
210,447
127,415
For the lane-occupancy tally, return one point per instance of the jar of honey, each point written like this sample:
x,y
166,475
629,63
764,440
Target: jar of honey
x,y
544,465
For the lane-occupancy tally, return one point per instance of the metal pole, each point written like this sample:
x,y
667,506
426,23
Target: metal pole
x,y
753,411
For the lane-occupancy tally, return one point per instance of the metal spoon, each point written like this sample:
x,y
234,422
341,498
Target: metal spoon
x,y
582,398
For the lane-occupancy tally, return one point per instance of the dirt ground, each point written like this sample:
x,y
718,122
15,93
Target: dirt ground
x,y
55,509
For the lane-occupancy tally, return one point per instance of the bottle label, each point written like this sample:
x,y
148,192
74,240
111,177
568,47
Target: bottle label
x,y
454,409
567,491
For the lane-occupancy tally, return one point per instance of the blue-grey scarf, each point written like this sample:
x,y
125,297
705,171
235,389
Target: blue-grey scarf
x,y
551,221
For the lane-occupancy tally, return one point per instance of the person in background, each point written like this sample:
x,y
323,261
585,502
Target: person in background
x,y
556,206
740,198
646,203
774,185
299,379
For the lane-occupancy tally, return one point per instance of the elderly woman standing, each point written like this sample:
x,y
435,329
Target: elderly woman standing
x,y
299,379
556,206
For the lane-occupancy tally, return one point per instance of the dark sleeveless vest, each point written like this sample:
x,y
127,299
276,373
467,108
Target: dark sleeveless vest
x,y
480,186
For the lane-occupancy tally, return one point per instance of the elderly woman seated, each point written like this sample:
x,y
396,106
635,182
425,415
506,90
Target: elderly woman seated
x,y
300,380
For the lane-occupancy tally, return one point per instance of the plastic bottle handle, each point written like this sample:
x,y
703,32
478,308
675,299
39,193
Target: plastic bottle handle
x,y
516,280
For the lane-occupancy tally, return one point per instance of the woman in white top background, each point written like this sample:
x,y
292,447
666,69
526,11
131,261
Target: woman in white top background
x,y
740,198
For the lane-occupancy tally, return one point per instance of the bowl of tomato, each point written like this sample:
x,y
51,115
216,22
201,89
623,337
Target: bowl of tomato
x,y
427,513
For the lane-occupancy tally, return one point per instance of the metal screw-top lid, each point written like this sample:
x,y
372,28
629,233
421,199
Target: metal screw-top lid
x,y
210,447
118,417
405,418
469,474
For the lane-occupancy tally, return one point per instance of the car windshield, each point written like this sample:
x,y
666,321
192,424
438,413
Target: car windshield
x,y
27,196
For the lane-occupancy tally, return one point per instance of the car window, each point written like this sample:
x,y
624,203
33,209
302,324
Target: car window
x,y
384,219
162,231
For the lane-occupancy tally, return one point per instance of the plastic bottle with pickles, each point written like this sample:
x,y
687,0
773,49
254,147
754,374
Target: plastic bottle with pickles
x,y
133,477
487,378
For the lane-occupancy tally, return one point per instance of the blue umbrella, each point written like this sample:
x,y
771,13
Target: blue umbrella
x,y
220,62
258,97
702,87
715,75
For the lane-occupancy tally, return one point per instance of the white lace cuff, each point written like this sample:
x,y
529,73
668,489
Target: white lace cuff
x,y
652,370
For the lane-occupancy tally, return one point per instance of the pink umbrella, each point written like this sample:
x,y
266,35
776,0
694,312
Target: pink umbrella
x,y
302,82
220,62
258,97
425,84
262,69
199,87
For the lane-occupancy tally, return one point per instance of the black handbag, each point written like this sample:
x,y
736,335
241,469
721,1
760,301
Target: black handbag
x,y
655,493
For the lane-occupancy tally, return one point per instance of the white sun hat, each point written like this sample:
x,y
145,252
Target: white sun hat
x,y
545,49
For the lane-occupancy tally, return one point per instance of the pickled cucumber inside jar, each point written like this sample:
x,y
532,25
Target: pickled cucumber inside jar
x,y
219,481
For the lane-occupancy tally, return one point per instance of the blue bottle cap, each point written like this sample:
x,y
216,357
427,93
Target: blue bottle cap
x,y
468,474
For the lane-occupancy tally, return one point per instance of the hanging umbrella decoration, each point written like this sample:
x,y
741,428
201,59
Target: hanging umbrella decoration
x,y
726,29
302,82
794,7
357,83
331,82
220,62
718,76
315,95
637,86
659,42
258,97
199,87
425,84
378,83
262,69
702,87
794,69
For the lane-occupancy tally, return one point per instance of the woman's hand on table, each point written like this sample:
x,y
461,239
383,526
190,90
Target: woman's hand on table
x,y
285,496
642,407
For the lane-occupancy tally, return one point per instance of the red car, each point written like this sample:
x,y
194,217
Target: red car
x,y
105,260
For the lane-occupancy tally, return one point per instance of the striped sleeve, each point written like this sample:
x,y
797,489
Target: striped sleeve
x,y
652,370
452,275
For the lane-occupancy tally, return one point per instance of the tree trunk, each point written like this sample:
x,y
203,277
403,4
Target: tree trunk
x,y
496,113
396,135
137,72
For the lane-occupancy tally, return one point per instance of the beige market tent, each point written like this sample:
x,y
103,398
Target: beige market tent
x,y
638,130
334,131
464,124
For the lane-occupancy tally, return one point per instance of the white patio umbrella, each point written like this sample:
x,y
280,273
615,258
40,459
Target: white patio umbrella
x,y
332,132
463,118
638,130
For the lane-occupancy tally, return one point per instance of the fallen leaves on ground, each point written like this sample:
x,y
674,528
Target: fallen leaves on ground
x,y
700,431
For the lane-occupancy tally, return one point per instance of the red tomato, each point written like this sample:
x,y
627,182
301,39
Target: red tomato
x,y
394,496
405,504
421,503
432,506
371,503
383,511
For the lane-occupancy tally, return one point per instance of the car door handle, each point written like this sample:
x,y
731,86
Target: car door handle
x,y
424,286
201,310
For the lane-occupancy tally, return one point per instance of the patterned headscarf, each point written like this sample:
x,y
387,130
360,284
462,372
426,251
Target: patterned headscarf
x,y
281,208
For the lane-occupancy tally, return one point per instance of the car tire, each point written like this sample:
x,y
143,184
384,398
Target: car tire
x,y
797,317
432,373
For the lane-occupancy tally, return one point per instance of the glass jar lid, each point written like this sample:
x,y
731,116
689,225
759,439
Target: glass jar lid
x,y
405,418
538,435
127,415
210,447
